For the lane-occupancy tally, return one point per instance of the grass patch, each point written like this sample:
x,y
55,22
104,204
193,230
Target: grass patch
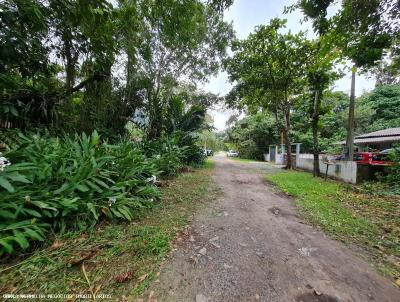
x,y
118,259
367,221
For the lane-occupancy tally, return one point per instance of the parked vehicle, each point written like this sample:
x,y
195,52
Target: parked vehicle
x,y
208,152
363,158
371,158
382,158
232,153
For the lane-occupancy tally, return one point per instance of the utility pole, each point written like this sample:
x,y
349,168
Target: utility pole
x,y
350,130
315,120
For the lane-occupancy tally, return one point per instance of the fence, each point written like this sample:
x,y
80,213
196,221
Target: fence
x,y
346,171
342,170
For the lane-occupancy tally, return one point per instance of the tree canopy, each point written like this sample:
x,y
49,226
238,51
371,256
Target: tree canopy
x,y
84,65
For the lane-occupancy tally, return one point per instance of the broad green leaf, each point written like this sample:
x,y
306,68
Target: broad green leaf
x,y
93,186
82,187
92,209
117,213
6,184
7,247
18,177
32,212
20,239
64,187
124,211
42,205
33,234
100,182
6,214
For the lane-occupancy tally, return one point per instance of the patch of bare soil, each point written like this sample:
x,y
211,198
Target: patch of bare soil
x,y
251,245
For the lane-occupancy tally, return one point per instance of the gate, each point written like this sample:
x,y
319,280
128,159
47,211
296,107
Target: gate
x,y
272,154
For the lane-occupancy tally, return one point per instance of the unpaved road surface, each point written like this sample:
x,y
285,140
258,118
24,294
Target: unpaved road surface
x,y
251,245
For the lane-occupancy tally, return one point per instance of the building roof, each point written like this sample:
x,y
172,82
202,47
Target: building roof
x,y
381,136
380,133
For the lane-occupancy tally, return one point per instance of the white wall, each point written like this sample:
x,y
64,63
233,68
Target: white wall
x,y
279,159
343,170
321,156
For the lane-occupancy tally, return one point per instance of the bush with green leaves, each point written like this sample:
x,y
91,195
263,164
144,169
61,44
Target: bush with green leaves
x,y
165,155
70,183
393,177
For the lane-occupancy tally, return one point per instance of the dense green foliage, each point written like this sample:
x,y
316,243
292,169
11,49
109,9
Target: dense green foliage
x,y
252,135
92,65
63,183
138,247
375,110
393,178
125,71
384,102
211,140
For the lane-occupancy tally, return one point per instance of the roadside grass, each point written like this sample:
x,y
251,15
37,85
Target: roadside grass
x,y
371,222
114,259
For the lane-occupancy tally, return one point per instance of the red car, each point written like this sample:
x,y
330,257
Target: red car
x,y
381,159
372,158
363,158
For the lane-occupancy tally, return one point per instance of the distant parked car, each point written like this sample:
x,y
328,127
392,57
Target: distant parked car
x,y
232,153
208,152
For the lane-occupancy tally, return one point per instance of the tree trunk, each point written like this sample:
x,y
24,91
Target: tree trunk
x,y
287,139
156,118
350,129
314,125
71,59
129,91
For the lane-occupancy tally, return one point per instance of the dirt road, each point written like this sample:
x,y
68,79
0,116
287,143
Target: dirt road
x,y
251,245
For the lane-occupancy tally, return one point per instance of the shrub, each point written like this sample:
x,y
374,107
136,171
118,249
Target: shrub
x,y
68,183
394,176
193,154
166,156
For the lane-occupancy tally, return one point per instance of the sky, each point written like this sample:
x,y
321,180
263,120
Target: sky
x,y
245,15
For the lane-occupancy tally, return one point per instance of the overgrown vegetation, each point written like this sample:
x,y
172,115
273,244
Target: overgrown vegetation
x,y
370,221
70,183
80,66
120,259
392,179
252,135
98,99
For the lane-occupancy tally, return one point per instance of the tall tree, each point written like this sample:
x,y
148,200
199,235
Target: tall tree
x,y
183,41
319,66
269,65
361,33
61,60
